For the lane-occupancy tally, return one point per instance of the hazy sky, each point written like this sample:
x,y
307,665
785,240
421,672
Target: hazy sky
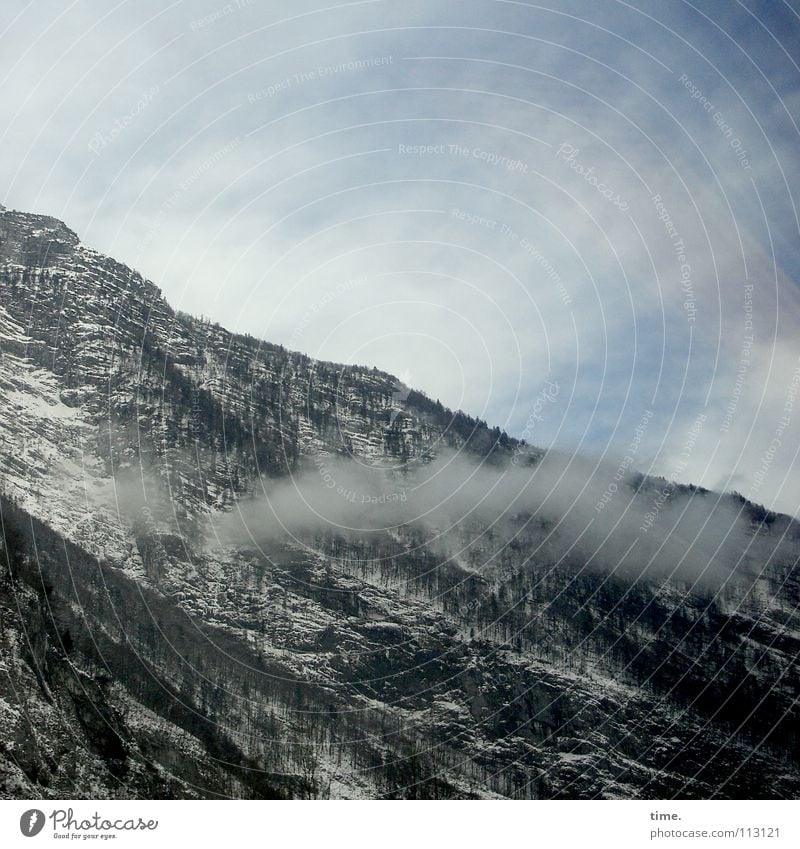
x,y
578,218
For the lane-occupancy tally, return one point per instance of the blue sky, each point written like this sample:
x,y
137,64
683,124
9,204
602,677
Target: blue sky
x,y
477,196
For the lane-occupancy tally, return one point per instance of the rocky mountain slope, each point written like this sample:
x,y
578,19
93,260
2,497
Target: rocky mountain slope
x,y
170,629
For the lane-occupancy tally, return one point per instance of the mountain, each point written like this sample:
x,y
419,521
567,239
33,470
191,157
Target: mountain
x,y
232,570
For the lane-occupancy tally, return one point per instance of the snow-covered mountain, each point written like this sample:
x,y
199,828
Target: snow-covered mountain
x,y
219,580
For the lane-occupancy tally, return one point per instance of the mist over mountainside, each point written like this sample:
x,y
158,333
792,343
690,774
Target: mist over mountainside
x,y
232,570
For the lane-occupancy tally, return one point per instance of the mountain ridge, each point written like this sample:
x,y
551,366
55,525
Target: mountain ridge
x,y
486,657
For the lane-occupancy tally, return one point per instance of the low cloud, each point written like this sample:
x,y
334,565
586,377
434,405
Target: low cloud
x,y
556,509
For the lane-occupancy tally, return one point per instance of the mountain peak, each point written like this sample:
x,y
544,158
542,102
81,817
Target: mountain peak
x,y
34,240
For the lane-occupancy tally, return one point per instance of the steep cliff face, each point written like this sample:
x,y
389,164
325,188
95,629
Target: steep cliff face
x,y
168,631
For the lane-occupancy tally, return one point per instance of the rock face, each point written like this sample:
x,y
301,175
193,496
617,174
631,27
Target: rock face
x,y
147,654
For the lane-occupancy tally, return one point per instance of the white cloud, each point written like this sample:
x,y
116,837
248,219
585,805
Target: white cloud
x,y
489,268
